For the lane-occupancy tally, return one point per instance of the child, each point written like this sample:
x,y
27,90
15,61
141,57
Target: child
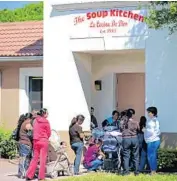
x,y
63,146
93,156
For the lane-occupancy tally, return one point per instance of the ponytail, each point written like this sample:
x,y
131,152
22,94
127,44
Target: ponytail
x,y
129,114
73,122
75,119
21,120
42,112
125,122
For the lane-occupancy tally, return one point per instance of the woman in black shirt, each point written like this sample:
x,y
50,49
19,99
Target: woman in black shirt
x,y
76,140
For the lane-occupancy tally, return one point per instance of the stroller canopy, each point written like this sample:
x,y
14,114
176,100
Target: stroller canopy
x,y
55,139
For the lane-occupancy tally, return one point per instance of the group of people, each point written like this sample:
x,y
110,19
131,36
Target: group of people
x,y
33,133
140,141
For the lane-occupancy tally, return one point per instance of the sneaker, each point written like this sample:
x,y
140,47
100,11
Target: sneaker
x,y
126,173
136,173
28,179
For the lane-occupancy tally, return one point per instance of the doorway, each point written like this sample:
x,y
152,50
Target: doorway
x,y
35,93
131,93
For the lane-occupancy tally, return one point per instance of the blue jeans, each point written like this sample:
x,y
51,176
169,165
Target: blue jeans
x,y
152,150
94,165
143,159
25,158
130,146
78,149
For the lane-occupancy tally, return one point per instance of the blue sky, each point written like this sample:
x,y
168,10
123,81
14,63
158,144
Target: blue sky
x,y
14,4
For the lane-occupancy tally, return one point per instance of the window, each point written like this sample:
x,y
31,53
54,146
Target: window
x,y
35,93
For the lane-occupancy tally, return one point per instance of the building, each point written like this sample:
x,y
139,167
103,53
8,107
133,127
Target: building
x,y
99,54
107,43
21,61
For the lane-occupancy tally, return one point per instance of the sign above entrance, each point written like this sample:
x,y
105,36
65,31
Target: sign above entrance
x,y
107,22
111,13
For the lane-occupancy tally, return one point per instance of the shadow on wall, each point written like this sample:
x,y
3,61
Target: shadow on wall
x,y
83,63
161,74
137,34
160,68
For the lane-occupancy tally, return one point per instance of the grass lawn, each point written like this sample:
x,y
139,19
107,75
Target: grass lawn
x,y
113,177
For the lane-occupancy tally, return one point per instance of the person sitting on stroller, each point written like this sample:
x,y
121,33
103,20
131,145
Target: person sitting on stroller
x,y
112,121
93,158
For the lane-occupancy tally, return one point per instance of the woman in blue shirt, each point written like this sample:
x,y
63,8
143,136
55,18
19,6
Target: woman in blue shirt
x,y
112,121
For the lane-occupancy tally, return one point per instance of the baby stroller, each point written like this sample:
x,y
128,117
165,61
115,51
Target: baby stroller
x,y
57,158
112,144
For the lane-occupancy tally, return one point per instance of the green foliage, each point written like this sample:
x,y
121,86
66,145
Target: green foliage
x,y
114,177
167,159
162,14
8,146
30,12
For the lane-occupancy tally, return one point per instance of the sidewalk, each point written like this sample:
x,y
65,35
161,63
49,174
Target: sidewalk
x,y
8,171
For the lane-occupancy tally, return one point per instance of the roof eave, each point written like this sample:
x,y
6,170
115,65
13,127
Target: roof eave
x,y
20,58
101,4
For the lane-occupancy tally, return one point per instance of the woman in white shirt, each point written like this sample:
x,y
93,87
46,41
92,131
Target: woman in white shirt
x,y
152,138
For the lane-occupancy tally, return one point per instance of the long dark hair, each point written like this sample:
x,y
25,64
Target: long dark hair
x,y
126,118
76,119
73,122
21,120
42,112
142,122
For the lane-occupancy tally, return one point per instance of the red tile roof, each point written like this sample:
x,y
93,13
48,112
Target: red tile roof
x,y
21,39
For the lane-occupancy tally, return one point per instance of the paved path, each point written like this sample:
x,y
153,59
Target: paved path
x,y
8,171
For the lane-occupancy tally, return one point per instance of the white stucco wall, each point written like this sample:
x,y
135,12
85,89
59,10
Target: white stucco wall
x,y
161,77
24,75
84,68
104,68
104,101
64,95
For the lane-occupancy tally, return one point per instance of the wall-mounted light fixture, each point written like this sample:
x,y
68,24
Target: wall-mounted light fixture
x,y
98,85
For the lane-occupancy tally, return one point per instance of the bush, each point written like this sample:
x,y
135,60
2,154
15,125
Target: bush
x,y
167,159
8,146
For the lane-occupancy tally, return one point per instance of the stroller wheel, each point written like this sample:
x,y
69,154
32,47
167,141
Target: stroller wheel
x,y
54,175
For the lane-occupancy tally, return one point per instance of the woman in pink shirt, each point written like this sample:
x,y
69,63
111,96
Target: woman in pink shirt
x,y
41,134
93,156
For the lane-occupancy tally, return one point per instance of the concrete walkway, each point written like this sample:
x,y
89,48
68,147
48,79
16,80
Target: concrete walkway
x,y
8,171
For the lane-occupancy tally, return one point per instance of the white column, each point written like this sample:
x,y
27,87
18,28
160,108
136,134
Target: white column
x,y
161,77
63,93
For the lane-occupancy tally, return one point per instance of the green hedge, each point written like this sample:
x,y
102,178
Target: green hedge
x,y
167,159
8,146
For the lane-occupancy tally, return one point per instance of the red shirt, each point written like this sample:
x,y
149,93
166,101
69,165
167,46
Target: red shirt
x,y
41,129
91,154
